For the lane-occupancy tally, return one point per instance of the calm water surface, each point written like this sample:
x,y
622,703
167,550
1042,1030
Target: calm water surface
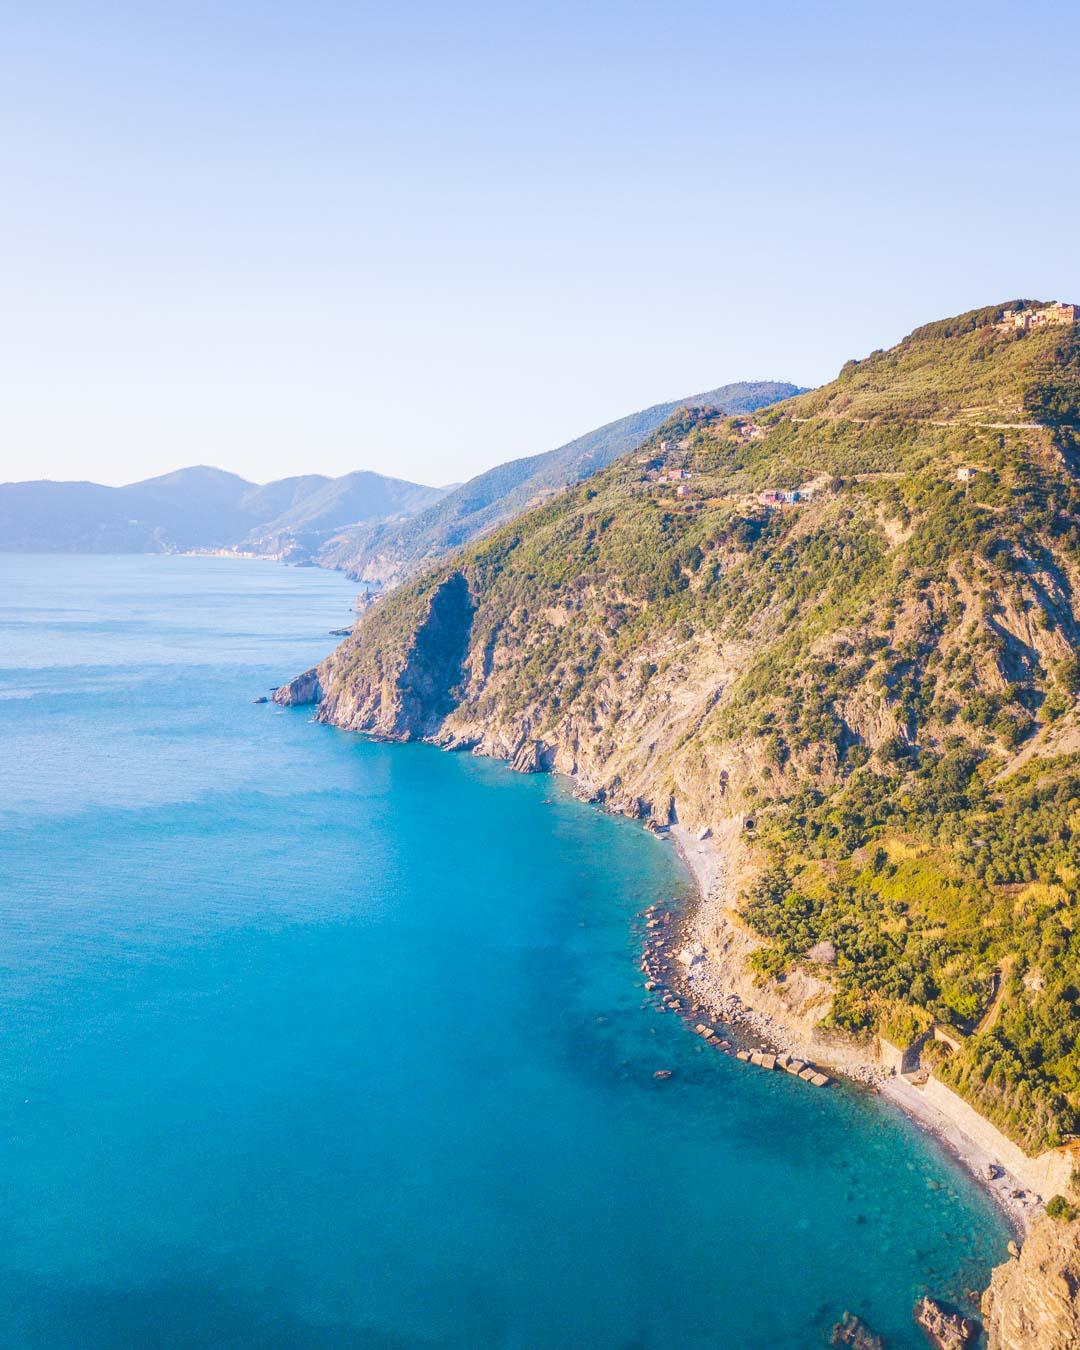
x,y
311,1042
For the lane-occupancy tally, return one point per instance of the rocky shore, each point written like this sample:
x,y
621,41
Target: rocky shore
x,y
717,981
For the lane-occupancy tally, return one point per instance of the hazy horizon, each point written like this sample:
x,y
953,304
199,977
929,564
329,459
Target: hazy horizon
x,y
423,242
366,468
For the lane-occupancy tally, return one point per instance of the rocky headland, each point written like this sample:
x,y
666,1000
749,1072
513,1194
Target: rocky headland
x,y
834,650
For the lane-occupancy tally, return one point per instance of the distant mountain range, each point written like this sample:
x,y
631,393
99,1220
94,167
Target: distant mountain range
x,y
379,529
384,552
199,508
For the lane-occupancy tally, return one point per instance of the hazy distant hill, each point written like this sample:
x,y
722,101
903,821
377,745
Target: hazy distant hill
x,y
386,552
198,507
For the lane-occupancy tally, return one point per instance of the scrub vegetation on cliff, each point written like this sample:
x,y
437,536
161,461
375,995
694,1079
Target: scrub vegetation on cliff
x,y
876,674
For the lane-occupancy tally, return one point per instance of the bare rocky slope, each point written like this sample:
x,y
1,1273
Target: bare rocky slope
x,y
1033,1302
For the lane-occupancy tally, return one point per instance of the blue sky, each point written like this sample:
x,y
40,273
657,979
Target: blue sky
x,y
425,238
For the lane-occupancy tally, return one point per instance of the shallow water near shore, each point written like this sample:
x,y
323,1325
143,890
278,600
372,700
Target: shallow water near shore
x,y
310,1041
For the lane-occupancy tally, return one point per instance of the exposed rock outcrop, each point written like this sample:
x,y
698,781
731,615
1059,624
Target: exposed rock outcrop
x,y
1033,1302
945,1328
303,689
404,689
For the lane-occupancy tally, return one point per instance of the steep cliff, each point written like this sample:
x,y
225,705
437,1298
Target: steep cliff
x,y
843,631
1033,1302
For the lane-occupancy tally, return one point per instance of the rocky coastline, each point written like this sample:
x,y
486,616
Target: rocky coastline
x,y
714,989
718,982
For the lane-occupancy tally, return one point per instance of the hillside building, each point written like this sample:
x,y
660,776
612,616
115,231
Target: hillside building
x,y
1024,320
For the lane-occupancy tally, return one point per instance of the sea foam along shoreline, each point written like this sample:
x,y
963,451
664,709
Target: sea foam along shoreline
x,y
724,973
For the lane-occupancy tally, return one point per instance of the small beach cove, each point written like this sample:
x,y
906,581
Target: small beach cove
x,y
705,960
316,1041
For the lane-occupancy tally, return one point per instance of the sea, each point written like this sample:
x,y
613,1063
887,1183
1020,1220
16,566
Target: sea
x,y
308,1040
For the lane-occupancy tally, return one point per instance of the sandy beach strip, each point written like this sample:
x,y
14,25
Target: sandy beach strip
x,y
718,986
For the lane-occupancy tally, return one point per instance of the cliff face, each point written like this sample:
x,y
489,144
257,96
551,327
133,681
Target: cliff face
x,y
1033,1302
414,693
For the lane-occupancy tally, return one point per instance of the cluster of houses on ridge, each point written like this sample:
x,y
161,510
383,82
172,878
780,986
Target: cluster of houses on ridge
x,y
1024,320
657,472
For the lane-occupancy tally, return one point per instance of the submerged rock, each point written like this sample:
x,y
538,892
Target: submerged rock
x,y
852,1330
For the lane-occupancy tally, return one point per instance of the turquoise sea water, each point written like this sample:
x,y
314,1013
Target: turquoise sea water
x,y
312,1042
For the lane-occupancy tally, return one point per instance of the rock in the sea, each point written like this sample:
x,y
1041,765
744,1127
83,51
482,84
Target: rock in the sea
x,y
853,1331
1033,1302
947,1329
261,699
661,1074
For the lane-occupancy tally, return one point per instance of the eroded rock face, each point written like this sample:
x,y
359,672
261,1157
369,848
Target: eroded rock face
x,y
1033,1302
396,676
945,1329
302,690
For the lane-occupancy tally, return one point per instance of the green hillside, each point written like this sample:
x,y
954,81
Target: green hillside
x,y
876,683
384,553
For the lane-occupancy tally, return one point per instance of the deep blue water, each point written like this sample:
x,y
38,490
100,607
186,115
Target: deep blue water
x,y
310,1042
